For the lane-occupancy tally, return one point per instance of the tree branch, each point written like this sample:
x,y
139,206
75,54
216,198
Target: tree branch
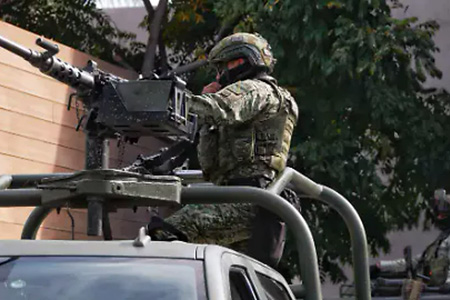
x,y
163,52
150,10
5,2
223,31
155,28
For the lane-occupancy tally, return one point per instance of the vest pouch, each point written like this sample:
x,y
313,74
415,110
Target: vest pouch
x,y
439,270
206,149
242,143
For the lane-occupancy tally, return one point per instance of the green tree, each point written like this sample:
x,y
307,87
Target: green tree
x,y
368,128
75,23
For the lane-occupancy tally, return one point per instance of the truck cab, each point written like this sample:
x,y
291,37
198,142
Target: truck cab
x,y
140,269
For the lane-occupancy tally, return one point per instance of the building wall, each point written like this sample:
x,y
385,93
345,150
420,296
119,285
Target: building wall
x,y
37,135
128,19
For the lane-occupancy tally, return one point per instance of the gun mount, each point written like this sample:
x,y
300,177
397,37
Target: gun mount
x,y
116,107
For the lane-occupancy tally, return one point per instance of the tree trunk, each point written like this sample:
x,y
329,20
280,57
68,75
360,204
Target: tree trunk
x,y
150,10
155,29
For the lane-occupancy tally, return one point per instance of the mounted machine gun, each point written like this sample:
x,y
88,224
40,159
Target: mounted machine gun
x,y
114,106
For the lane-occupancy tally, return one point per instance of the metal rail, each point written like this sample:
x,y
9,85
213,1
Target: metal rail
x,y
360,253
5,182
21,181
205,194
267,198
22,197
309,268
34,221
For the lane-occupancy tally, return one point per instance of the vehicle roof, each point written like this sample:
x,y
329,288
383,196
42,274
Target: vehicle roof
x,y
175,249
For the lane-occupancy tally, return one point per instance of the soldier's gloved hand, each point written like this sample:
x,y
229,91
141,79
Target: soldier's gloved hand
x,y
212,87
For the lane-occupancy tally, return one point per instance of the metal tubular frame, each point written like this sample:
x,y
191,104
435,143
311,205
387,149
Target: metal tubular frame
x,y
22,197
5,182
309,268
34,221
360,253
21,181
267,198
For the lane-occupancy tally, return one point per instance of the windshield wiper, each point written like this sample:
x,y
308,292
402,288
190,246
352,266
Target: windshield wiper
x,y
8,260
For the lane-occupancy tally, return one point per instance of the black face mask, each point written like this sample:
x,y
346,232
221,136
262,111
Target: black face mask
x,y
241,72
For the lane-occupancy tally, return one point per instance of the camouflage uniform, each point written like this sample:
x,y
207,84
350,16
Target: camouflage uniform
x,y
246,133
244,139
433,263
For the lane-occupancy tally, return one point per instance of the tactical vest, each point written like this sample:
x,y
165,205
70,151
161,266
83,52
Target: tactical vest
x,y
435,261
227,152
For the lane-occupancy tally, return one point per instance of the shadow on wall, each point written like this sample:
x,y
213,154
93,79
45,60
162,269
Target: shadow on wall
x,y
39,136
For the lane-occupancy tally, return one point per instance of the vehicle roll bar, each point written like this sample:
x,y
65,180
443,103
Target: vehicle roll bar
x,y
360,253
16,195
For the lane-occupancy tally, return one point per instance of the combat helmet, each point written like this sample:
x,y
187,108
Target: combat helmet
x,y
441,209
252,47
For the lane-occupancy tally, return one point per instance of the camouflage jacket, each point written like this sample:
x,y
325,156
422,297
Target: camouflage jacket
x,y
236,106
246,129
433,263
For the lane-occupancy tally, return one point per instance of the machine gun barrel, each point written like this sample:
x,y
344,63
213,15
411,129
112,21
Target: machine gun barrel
x,y
50,65
15,48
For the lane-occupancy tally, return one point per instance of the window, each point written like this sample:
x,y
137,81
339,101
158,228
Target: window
x,y
101,278
241,288
273,289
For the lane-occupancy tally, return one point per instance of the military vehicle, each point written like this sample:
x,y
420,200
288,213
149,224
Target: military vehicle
x,y
141,268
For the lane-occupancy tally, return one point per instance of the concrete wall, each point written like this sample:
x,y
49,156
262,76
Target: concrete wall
x,y
128,19
38,135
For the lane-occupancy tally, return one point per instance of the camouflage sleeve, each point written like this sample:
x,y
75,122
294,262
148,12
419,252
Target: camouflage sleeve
x,y
223,225
236,103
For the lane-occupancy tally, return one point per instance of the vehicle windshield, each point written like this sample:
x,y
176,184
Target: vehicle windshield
x,y
108,278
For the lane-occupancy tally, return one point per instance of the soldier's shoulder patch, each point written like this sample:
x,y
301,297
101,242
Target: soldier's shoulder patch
x,y
237,89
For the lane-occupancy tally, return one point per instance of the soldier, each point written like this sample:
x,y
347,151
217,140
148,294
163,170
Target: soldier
x,y
246,122
433,263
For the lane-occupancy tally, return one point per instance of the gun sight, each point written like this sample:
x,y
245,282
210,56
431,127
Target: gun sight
x,y
52,49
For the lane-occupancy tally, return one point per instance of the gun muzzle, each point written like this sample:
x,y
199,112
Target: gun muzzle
x,y
50,65
17,49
